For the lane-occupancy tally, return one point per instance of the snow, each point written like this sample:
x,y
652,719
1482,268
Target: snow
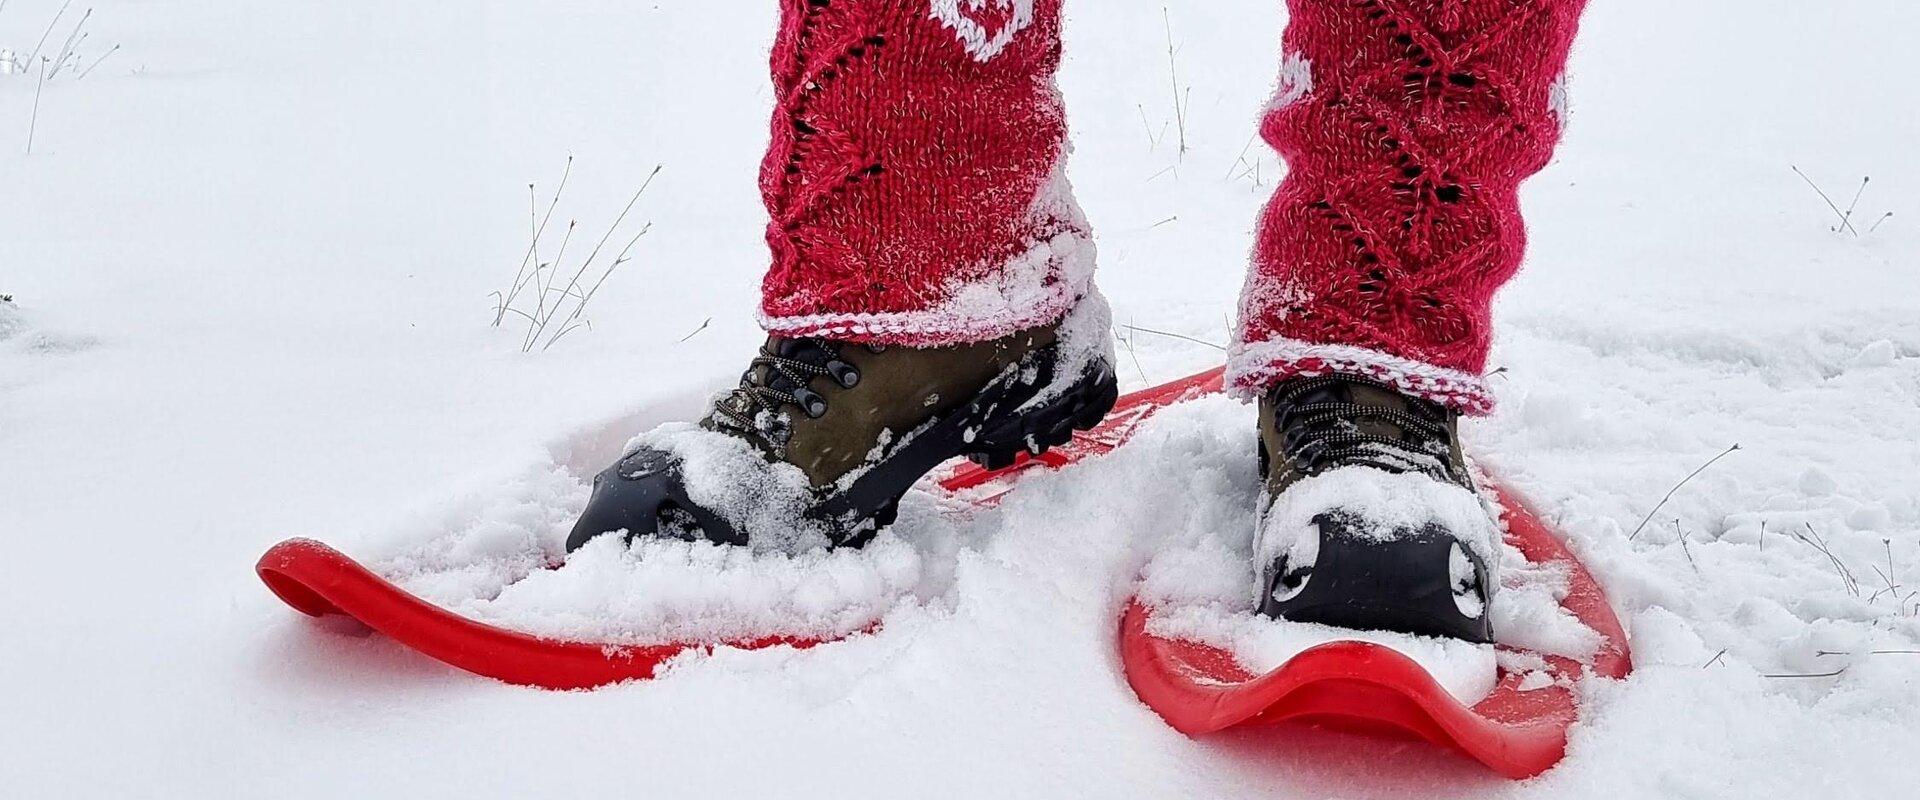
x,y
729,476
250,258
1466,670
1394,505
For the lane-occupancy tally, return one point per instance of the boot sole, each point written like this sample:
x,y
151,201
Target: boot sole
x,y
1081,408
980,431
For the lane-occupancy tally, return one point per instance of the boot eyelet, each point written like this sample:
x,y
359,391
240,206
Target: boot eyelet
x,y
844,374
813,404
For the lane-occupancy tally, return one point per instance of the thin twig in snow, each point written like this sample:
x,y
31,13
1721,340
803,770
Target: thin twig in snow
x,y
1820,543
1242,158
543,288
538,230
1174,336
70,55
551,290
1845,224
96,63
1684,547
66,48
1887,576
49,31
1128,341
1153,142
1676,488
574,320
1857,193
33,123
1173,73
1835,673
696,331
591,257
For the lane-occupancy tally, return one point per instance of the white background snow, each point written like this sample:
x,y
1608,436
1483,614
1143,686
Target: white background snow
x,y
251,253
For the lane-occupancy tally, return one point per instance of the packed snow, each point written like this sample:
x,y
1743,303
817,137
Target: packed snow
x,y
1394,505
1467,671
251,252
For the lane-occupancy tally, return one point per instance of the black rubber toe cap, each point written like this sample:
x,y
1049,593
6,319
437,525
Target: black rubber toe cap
x,y
632,495
1404,582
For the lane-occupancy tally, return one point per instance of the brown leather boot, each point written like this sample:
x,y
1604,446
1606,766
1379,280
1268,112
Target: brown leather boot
x,y
1370,519
840,431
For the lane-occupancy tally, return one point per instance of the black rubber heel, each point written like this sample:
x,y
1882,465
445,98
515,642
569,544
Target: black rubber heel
x,y
1035,431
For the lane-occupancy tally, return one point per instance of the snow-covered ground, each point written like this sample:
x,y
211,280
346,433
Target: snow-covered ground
x,y
250,255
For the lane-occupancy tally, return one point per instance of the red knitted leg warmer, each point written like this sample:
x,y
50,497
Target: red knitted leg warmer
x,y
915,177
1408,126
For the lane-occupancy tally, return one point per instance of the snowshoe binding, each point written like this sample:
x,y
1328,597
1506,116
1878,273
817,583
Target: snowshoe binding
x,y
1371,520
853,426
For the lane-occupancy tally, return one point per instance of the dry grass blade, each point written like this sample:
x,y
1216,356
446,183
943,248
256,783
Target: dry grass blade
x,y
1173,74
1833,674
96,63
536,227
33,122
49,31
580,307
1676,488
1845,223
1847,579
554,303
696,331
1181,337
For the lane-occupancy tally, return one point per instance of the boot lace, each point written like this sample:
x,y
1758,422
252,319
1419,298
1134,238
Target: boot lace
x,y
782,375
1322,432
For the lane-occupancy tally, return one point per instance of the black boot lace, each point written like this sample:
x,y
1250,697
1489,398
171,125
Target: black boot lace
x,y
1322,430
782,375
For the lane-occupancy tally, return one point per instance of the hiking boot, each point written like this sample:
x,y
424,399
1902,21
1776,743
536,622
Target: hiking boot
x,y
822,438
1370,520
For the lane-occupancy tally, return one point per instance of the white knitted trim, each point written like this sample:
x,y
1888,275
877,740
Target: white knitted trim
x,y
1296,81
982,44
1254,367
1560,100
1034,289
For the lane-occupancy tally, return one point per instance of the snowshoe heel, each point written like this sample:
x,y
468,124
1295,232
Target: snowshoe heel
x,y
1422,582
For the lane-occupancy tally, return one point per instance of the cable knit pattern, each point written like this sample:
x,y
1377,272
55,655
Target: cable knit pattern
x,y
1408,126
914,177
